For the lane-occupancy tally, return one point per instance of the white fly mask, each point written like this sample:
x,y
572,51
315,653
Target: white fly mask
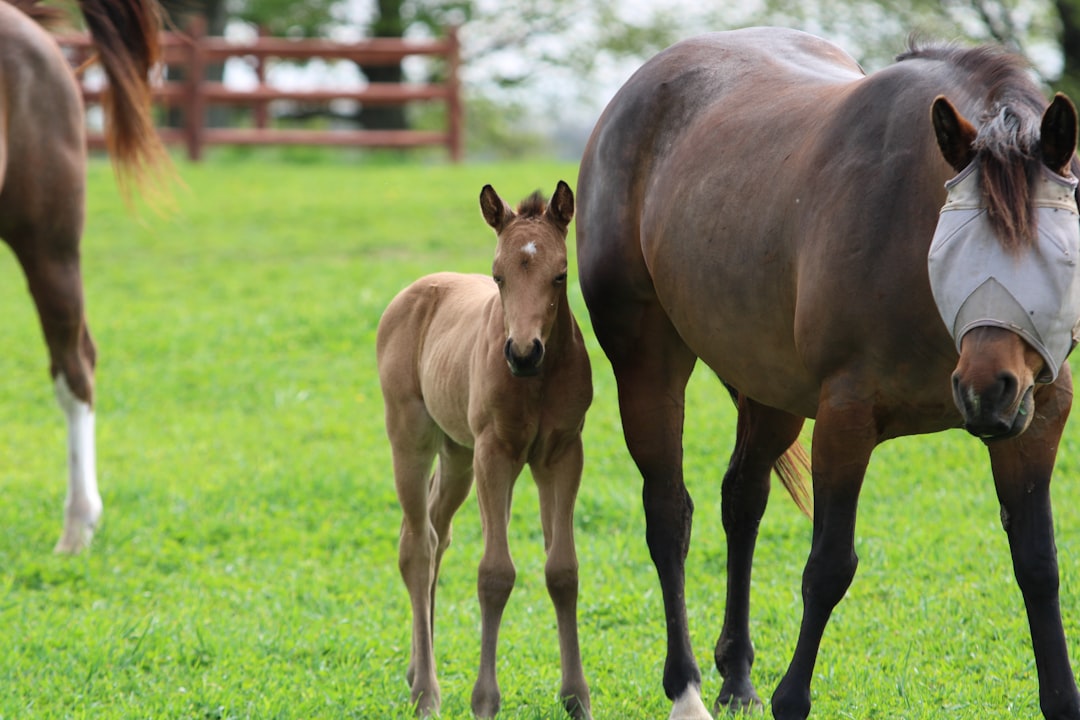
x,y
1034,293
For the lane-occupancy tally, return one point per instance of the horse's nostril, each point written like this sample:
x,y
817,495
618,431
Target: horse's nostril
x,y
1006,386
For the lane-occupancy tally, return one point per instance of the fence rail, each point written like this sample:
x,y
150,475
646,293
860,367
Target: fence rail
x,y
195,51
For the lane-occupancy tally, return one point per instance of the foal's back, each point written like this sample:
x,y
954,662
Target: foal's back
x,y
434,342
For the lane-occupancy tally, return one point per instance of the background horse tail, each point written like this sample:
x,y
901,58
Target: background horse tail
x,y
793,468
125,33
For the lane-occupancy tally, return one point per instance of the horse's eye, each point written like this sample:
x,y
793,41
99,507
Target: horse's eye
x,y
560,279
498,280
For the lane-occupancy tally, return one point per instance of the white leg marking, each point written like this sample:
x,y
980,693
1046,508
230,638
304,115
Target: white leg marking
x,y
688,706
82,507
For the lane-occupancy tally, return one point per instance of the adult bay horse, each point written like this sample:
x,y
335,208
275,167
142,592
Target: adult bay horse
x,y
42,189
489,374
753,199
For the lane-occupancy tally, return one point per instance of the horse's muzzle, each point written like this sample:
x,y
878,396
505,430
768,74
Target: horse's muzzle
x,y
524,365
1000,410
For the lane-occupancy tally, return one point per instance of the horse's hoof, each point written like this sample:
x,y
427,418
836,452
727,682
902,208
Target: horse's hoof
x,y
688,706
76,537
743,700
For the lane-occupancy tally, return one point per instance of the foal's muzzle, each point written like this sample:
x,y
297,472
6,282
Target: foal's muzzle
x,y
525,365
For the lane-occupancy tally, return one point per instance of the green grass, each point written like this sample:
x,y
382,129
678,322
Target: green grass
x,y
247,565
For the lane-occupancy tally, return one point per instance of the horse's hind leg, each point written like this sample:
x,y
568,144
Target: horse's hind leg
x,y
558,482
762,436
1022,468
55,284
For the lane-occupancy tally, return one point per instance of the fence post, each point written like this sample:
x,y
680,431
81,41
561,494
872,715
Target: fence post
x,y
195,117
454,108
260,110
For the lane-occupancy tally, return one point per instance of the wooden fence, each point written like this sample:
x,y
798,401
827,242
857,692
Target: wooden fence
x,y
195,51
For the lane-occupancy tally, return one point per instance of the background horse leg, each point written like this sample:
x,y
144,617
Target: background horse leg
x,y
56,286
412,436
558,483
495,476
1022,468
845,433
763,435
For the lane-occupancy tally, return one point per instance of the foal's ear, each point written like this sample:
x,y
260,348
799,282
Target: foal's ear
x,y
1058,134
561,208
955,134
496,212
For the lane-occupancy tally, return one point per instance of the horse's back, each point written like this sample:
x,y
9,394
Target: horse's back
x,y
734,180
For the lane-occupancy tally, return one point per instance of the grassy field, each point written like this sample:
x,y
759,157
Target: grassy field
x,y
247,565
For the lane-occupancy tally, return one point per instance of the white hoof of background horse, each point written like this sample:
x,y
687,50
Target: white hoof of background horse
x,y
82,508
688,706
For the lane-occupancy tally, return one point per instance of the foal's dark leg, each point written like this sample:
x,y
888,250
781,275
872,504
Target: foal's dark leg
x,y
763,435
1022,468
844,436
652,366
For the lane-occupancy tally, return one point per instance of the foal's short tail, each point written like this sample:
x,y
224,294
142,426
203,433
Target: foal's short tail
x,y
793,468
125,33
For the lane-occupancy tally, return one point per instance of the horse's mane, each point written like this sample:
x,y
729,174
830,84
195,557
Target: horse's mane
x,y
532,206
1007,145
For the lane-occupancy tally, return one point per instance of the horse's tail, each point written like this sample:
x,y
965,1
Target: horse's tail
x,y
793,468
125,33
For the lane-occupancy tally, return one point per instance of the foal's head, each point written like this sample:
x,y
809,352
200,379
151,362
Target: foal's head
x,y
530,270
1003,264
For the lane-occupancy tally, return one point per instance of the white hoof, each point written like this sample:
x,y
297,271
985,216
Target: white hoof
x,y
78,530
688,706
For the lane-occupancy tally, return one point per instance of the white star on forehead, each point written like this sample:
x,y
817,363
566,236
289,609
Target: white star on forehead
x,y
529,248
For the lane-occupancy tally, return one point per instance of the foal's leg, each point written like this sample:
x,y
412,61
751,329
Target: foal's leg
x,y
558,481
52,269
495,476
763,435
450,487
1022,468
652,366
413,439
845,434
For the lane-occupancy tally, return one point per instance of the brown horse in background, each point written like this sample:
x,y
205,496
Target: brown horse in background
x,y
489,374
42,195
753,199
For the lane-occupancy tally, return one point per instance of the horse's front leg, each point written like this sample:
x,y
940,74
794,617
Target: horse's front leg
x,y
1022,468
844,436
558,479
495,476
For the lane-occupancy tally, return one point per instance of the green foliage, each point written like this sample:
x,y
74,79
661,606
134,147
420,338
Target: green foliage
x,y
247,565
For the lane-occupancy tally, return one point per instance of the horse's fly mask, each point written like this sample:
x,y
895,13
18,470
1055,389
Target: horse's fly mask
x,y
1034,293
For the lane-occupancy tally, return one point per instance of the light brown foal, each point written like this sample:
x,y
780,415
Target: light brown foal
x,y
489,374
42,188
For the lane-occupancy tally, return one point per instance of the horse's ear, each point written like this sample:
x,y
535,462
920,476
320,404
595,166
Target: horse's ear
x,y
561,207
955,134
496,212
1058,134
